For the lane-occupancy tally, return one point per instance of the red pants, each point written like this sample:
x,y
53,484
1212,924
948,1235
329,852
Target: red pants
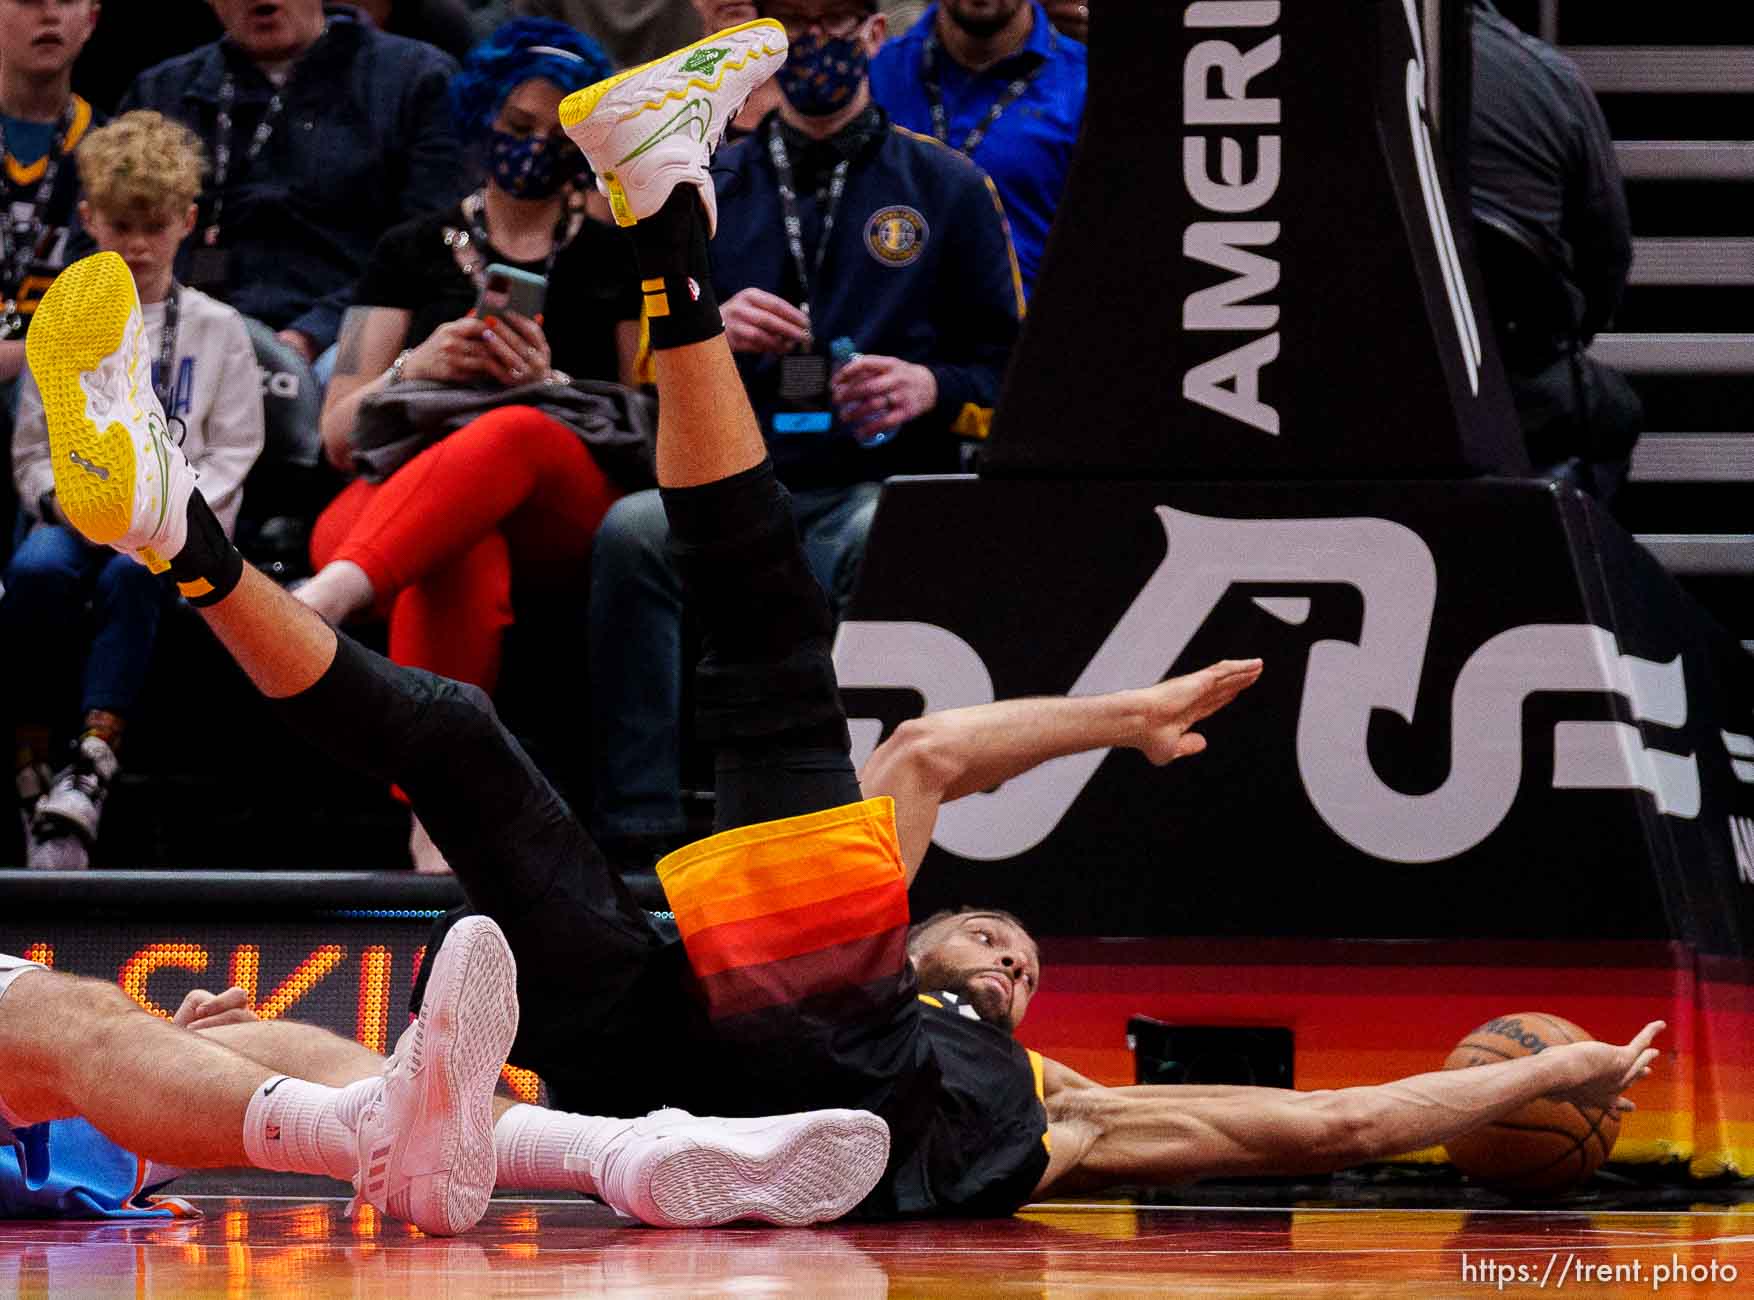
x,y
439,537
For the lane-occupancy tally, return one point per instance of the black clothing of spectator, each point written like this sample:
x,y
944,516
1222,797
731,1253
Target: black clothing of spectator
x,y
593,287
1556,244
1541,158
365,140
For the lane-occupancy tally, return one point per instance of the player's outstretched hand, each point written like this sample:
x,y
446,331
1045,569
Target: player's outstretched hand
x,y
1604,1070
1173,706
203,1009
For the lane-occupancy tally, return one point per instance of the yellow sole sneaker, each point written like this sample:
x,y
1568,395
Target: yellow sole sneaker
x,y
78,334
119,479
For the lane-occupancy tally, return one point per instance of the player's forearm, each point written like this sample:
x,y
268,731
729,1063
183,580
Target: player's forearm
x,y
1186,1091
983,746
1426,1109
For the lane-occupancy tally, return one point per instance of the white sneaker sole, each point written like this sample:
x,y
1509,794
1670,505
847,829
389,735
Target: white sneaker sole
x,y
471,1012
792,1171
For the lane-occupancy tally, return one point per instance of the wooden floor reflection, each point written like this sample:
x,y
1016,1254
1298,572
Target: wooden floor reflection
x,y
250,1246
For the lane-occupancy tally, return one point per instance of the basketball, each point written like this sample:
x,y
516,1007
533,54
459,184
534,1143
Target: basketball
x,y
1546,1148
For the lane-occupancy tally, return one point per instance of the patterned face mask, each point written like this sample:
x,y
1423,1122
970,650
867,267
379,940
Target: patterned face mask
x,y
822,73
533,167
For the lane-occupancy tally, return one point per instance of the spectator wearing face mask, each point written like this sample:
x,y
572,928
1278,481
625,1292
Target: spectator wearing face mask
x,y
434,546
870,295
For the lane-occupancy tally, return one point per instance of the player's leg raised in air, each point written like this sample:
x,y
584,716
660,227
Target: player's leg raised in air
x,y
805,1012
416,1138
518,851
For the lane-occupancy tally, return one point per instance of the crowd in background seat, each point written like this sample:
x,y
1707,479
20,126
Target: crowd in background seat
x,y
341,191
333,187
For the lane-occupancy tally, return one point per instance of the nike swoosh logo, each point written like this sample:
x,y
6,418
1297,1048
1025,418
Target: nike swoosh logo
x,y
696,113
269,1090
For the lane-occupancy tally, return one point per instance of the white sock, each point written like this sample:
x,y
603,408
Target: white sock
x,y
550,1150
307,1128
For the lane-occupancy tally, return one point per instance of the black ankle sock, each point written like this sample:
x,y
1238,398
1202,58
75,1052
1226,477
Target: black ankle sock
x,y
208,566
676,274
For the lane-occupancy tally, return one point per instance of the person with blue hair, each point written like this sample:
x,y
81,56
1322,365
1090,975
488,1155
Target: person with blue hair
x,y
435,544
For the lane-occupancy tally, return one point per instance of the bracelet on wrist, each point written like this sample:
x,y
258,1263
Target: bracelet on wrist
x,y
398,365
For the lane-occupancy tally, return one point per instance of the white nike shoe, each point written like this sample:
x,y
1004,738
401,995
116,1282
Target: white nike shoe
x,y
674,1170
426,1141
120,479
652,128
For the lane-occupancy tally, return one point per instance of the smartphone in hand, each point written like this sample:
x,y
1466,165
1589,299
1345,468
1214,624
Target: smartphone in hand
x,y
506,288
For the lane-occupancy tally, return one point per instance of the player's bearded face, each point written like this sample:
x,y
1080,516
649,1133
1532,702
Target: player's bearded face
x,y
987,963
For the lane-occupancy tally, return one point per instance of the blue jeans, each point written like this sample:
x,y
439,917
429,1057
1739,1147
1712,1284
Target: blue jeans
x,y
636,645
54,573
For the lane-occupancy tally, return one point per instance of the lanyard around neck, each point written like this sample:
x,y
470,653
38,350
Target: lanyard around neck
x,y
19,247
164,379
934,88
264,132
794,221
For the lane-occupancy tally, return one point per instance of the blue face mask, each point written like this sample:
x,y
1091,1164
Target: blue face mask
x,y
533,167
821,74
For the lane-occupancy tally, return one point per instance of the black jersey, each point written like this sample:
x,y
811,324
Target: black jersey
x,y
972,1139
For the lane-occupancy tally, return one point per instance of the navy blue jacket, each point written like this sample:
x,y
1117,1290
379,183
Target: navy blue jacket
x,y
920,267
366,142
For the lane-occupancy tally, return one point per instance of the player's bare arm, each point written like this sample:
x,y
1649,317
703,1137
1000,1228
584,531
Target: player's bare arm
x,y
1104,1136
934,759
1058,1078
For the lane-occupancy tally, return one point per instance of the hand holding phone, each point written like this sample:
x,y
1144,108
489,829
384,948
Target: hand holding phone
x,y
517,349
506,288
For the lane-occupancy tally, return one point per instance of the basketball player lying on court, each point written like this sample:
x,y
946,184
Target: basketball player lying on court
x,y
790,985
101,1104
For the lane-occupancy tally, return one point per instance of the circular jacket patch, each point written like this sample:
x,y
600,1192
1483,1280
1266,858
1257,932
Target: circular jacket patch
x,y
896,236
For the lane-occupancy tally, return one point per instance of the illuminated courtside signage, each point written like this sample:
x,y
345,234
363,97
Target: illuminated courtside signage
x,y
350,975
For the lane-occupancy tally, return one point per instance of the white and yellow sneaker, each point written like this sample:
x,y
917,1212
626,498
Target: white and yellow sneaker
x,y
120,478
652,128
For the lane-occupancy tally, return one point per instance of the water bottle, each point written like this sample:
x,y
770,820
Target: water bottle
x,y
840,352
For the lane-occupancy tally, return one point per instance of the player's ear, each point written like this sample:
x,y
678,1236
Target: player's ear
x,y
189,221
